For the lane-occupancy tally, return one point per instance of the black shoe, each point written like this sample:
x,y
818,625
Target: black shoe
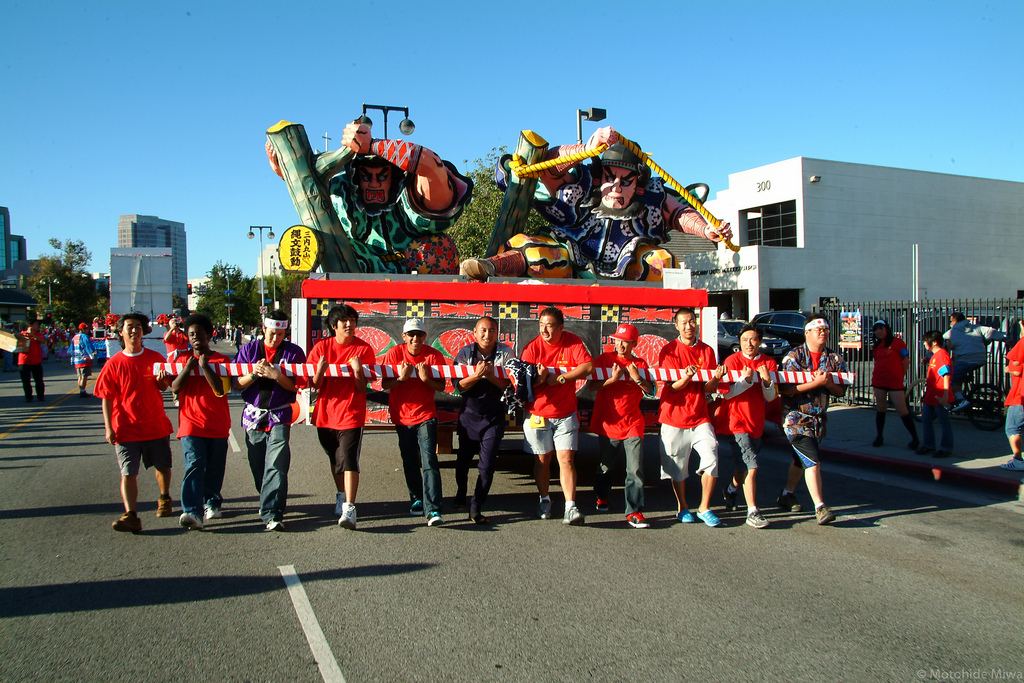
x,y
942,454
730,498
913,445
28,399
42,398
877,442
789,503
924,450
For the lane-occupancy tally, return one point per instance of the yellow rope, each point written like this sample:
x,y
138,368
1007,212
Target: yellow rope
x,y
534,170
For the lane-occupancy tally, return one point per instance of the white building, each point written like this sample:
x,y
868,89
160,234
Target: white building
x,y
811,228
140,280
197,288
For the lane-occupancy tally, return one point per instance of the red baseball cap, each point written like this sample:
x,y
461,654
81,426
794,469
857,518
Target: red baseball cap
x,y
626,332
83,326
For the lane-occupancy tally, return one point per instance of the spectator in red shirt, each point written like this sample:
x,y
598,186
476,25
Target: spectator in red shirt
x,y
619,424
1014,409
174,338
888,380
340,413
411,401
937,397
740,419
204,423
685,422
30,360
134,418
553,426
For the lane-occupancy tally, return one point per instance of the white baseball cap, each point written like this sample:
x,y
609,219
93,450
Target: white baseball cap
x,y
413,325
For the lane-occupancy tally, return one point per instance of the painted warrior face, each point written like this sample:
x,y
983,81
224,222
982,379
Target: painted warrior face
x,y
374,183
618,185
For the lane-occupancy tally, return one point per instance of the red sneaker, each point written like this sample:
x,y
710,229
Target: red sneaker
x,y
637,521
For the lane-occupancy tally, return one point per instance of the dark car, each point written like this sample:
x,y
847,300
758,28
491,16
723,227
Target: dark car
x,y
786,324
729,341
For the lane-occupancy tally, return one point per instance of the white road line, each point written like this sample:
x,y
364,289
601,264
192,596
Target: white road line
x,y
311,627
233,442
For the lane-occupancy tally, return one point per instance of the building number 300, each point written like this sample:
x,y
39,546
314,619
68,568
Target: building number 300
x,y
764,186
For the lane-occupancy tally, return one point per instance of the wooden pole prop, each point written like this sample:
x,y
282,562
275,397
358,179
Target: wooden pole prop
x,y
515,207
306,177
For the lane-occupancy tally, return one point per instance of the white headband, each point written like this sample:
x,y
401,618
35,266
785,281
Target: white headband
x,y
815,324
275,324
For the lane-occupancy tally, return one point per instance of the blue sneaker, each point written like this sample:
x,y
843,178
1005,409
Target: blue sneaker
x,y
686,517
416,509
435,519
709,518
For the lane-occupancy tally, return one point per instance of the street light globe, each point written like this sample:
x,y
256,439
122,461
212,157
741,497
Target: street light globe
x,y
407,126
270,235
252,235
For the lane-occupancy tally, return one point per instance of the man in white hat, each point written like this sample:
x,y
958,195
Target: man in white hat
x,y
411,402
619,424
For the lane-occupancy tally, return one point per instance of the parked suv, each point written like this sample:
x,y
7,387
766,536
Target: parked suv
x,y
729,341
786,324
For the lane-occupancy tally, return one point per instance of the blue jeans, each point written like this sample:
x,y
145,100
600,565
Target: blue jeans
x,y
609,456
205,460
928,415
418,446
270,456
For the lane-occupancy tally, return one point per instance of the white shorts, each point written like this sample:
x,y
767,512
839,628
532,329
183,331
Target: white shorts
x,y
557,434
676,445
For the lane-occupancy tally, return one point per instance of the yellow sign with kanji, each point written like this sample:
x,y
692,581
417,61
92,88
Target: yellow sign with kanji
x,y
300,249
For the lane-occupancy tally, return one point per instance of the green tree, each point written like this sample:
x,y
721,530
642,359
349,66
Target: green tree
x,y
475,226
243,299
62,285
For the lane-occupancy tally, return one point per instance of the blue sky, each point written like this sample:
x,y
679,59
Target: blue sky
x,y
160,108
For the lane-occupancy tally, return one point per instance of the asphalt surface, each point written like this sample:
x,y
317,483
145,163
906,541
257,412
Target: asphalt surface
x,y
915,581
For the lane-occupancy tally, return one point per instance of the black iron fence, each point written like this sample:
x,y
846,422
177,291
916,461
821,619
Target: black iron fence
x,y
910,320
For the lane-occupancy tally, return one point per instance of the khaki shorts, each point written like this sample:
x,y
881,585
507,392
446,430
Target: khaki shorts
x,y
676,445
155,453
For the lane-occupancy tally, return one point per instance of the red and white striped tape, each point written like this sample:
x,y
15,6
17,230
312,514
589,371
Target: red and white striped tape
x,y
463,371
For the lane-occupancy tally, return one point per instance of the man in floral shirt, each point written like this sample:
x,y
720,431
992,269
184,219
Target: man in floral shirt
x,y
805,406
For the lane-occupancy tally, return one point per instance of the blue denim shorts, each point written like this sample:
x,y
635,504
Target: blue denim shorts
x,y
1015,420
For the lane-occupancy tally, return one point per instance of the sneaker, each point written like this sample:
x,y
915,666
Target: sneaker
x,y
1014,464
756,520
339,504
709,518
276,525
824,515
573,516
128,522
960,406
685,517
479,517
942,454
82,394
416,509
163,507
877,442
637,521
348,517
602,505
789,503
435,519
544,509
212,512
190,521
729,498
924,450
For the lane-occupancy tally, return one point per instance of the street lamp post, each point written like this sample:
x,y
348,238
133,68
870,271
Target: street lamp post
x,y
273,276
592,114
270,235
406,126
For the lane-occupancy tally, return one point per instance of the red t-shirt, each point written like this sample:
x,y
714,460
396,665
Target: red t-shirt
x,y
687,408
412,401
200,411
339,404
1014,398
137,404
559,400
933,381
744,414
617,407
888,372
35,352
177,341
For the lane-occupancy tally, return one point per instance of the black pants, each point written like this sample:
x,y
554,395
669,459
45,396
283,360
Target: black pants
x,y
35,371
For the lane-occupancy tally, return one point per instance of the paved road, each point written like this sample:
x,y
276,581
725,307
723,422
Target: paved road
x,y
914,577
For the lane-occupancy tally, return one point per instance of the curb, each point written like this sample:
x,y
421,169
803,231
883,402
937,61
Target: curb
x,y
940,473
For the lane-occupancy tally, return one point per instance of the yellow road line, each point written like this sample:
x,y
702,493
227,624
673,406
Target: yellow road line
x,y
40,413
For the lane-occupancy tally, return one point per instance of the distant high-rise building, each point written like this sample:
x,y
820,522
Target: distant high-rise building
x,y
134,230
5,238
